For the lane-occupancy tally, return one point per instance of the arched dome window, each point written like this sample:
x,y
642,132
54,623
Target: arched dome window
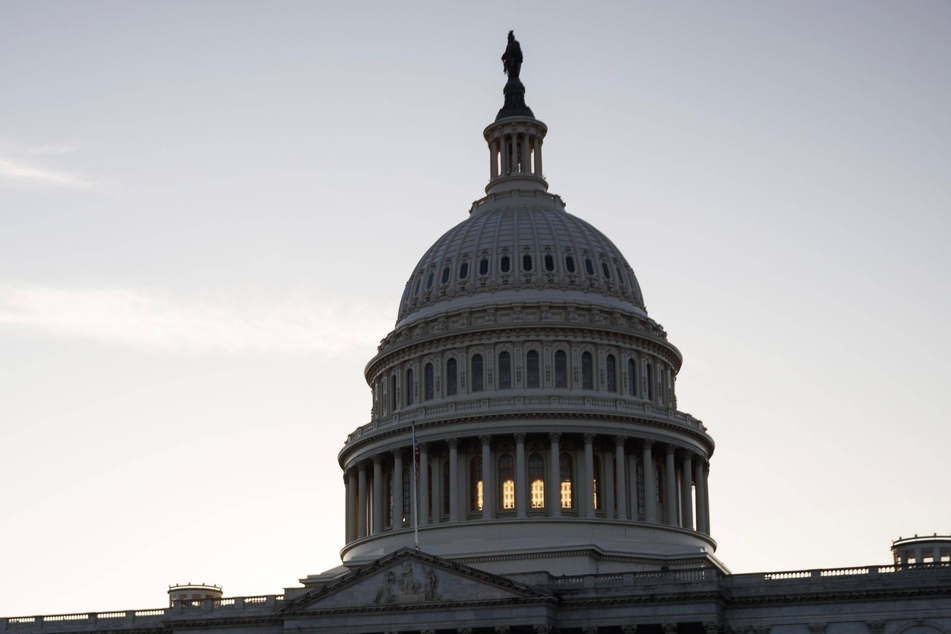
x,y
536,480
587,372
589,266
610,371
475,483
429,380
507,481
484,266
526,262
649,375
478,373
452,377
446,272
505,371
561,369
569,264
429,280
463,270
506,264
393,399
566,469
532,374
549,262
631,377
409,387
605,270
620,277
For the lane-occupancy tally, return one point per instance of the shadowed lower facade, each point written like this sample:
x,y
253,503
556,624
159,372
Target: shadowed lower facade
x,y
553,484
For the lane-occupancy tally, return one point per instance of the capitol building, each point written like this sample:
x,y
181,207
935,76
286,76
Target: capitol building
x,y
526,469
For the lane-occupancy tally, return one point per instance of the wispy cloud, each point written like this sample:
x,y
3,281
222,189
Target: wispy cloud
x,y
20,166
156,320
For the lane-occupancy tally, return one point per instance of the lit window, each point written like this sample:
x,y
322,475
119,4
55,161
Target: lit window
x,y
475,483
536,478
594,485
507,480
565,468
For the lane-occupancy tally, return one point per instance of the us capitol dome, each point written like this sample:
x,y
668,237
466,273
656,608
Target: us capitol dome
x,y
541,392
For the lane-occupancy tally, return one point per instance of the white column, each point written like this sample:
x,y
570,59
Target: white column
x,y
607,496
701,496
488,482
435,487
493,158
521,491
619,477
423,484
686,489
525,167
362,500
706,492
589,474
351,505
377,494
632,466
453,479
650,486
397,489
538,157
554,497
670,486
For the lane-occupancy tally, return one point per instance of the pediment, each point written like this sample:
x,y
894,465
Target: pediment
x,y
408,577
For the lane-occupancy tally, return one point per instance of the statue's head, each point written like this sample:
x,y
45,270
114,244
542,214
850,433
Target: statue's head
x,y
511,35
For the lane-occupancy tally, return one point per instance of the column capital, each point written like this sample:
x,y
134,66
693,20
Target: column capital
x,y
486,439
452,442
423,446
669,628
711,627
619,441
554,436
520,438
670,448
588,439
398,453
377,459
647,443
629,629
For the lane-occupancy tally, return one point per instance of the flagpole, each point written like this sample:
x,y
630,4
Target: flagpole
x,y
415,491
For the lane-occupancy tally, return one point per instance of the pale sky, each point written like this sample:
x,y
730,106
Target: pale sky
x,y
208,212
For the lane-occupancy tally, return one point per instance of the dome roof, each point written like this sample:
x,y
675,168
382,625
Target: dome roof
x,y
520,247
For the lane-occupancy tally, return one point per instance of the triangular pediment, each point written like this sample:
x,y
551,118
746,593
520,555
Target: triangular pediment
x,y
409,577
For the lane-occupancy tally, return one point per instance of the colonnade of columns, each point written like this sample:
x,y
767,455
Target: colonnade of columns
x,y
515,153
464,479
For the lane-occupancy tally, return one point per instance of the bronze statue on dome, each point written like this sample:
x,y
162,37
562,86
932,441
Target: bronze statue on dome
x,y
512,58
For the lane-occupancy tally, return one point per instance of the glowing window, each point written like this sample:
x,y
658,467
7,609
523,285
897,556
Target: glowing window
x,y
536,478
507,481
475,483
565,469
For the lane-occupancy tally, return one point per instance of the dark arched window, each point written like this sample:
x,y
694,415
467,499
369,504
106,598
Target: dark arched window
x,y
505,371
507,481
587,372
445,274
610,371
409,387
452,377
561,369
649,375
464,270
475,483
620,277
527,262
536,480
430,390
606,270
478,376
506,264
484,266
531,369
565,476
569,264
393,401
588,266
631,377
429,280
549,263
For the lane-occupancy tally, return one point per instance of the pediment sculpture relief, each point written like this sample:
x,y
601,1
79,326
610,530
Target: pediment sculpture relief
x,y
412,584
